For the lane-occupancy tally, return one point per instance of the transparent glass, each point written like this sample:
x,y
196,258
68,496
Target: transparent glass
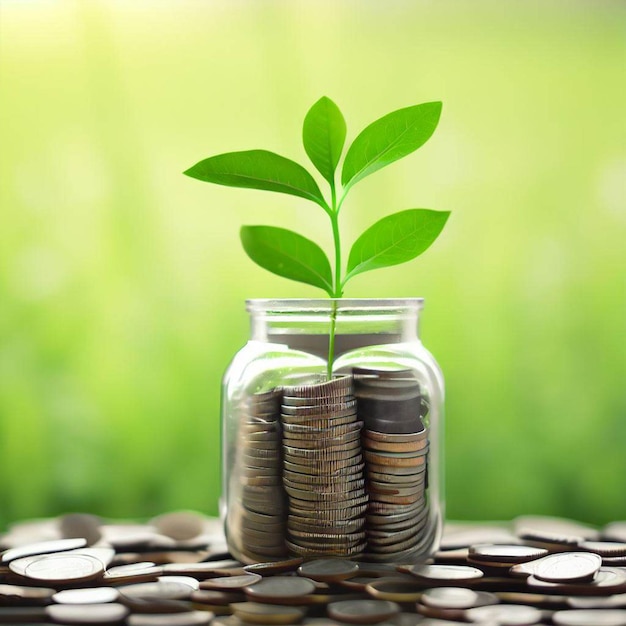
x,y
350,466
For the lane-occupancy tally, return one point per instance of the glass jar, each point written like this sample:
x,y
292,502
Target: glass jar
x,y
348,465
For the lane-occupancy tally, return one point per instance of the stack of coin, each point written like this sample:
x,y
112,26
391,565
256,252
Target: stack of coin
x,y
323,469
256,520
395,447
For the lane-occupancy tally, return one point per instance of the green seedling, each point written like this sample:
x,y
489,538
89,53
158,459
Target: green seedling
x,y
394,239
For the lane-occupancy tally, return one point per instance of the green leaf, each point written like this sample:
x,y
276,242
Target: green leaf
x,y
395,239
323,136
388,139
258,169
288,254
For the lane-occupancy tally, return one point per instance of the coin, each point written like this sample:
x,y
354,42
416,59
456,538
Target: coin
x,y
280,589
87,614
160,590
505,553
363,611
60,567
91,595
413,446
25,595
605,548
292,430
188,618
43,547
456,598
329,570
590,617
568,566
395,589
506,615
399,438
227,583
460,573
260,613
320,388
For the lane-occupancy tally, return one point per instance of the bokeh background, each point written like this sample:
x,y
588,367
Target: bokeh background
x,y
122,282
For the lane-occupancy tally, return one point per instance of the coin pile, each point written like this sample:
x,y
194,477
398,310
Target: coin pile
x,y
323,469
256,519
395,446
577,578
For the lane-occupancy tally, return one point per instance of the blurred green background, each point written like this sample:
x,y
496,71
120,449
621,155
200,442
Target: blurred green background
x,y
122,282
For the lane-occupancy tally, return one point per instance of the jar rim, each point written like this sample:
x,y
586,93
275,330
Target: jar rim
x,y
323,305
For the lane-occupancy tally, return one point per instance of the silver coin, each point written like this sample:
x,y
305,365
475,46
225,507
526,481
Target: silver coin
x,y
344,442
330,429
346,512
313,467
348,526
317,421
327,406
319,387
324,550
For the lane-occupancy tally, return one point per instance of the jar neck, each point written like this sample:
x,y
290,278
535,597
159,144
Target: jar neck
x,y
305,324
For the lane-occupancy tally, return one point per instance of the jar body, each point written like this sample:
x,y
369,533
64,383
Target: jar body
x,y
343,465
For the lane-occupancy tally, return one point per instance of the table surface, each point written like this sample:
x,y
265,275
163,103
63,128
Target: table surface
x,y
176,570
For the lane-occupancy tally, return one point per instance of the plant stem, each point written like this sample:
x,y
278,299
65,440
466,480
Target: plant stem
x,y
331,339
337,285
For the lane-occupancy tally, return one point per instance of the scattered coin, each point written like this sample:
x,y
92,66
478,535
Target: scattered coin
x,y
87,595
259,613
329,570
568,567
87,614
505,553
456,598
395,589
43,547
59,568
277,589
458,573
505,615
363,611
227,583
188,618
590,617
